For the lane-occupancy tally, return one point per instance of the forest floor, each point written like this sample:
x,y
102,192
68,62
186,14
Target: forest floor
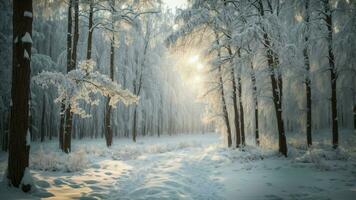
x,y
196,166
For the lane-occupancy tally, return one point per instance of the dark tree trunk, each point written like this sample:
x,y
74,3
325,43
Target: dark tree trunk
x,y
254,92
66,118
243,140
333,75
276,82
108,129
354,109
134,127
307,79
90,30
61,126
19,147
76,34
222,96
234,99
5,139
68,131
225,113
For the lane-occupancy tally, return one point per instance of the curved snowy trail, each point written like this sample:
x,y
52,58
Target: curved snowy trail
x,y
181,174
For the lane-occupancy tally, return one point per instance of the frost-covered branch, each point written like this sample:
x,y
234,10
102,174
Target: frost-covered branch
x,y
80,85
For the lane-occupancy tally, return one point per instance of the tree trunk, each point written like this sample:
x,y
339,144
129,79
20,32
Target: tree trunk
x,y
134,131
5,139
76,34
333,76
307,79
234,99
90,30
243,140
354,109
66,129
254,92
19,147
108,129
222,95
272,60
61,127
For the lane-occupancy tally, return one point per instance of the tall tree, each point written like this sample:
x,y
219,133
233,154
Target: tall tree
x,y
234,99
108,107
66,115
307,78
75,34
19,144
333,75
276,79
222,93
242,121
254,94
90,29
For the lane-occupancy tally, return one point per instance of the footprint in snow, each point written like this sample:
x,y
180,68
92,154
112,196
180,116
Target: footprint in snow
x,y
91,182
58,182
349,184
95,166
273,197
43,184
269,184
74,186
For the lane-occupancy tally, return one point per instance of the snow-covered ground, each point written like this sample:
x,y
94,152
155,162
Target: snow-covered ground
x,y
185,167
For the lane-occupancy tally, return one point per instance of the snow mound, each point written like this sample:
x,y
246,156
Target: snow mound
x,y
27,182
131,152
319,157
58,161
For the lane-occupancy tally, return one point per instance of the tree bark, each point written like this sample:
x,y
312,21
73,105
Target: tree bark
x,y
276,82
333,76
222,95
234,99
19,148
90,30
307,79
66,118
242,123
354,112
76,34
254,92
5,139
108,108
134,131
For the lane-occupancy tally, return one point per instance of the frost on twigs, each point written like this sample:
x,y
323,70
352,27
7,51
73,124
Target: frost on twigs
x,y
81,85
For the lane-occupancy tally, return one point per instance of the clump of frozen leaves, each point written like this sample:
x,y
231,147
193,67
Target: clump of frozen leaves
x,y
83,84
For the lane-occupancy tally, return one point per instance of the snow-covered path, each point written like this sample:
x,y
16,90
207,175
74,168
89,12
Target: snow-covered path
x,y
185,167
182,174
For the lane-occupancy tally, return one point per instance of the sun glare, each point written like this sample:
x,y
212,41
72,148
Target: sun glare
x,y
200,66
197,78
193,59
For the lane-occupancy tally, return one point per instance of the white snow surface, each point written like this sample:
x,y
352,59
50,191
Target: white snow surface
x,y
26,38
26,55
186,166
27,14
27,178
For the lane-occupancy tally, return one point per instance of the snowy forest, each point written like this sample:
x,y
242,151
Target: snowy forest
x,y
178,99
